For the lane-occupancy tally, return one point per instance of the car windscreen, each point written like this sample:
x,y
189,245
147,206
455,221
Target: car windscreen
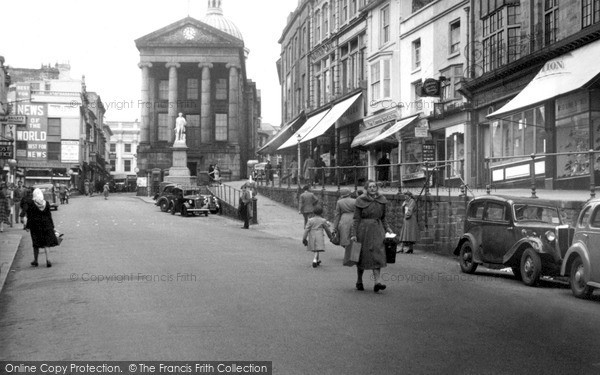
x,y
190,192
530,212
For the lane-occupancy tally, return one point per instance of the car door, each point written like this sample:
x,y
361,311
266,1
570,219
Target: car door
x,y
497,232
593,243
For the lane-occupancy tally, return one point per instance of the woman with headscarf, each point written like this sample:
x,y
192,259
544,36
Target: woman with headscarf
x,y
40,226
369,230
344,216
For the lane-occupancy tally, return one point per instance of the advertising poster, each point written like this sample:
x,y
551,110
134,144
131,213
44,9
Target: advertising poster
x,y
36,130
69,151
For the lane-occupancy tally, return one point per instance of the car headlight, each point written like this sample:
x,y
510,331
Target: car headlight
x,y
190,201
550,236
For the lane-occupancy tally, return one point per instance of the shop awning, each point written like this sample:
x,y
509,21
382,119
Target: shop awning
x,y
560,75
273,144
367,135
399,125
303,131
332,116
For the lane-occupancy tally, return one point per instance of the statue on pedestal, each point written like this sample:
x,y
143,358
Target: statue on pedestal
x,y
180,124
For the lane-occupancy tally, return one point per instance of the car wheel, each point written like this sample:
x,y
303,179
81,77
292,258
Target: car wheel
x,y
467,265
516,270
579,278
206,214
531,267
184,211
164,206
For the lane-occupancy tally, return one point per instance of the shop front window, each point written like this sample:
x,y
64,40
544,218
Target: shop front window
x,y
573,135
455,150
518,135
413,156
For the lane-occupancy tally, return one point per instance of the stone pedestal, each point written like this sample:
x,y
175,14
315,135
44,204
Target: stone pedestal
x,y
179,172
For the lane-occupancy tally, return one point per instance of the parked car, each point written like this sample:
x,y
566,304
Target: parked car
x,y
189,201
164,198
528,235
49,194
582,261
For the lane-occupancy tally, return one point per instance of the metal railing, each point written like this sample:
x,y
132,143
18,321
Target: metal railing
x,y
226,193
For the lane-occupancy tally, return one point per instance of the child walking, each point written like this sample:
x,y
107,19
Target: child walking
x,y
314,238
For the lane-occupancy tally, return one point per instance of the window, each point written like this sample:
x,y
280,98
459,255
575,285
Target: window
x,y
343,11
417,87
550,21
495,212
303,41
453,75
113,147
585,218
192,88
325,16
353,8
595,222
127,147
113,165
126,165
47,86
53,126
418,4
416,48
317,25
53,151
375,81
163,127
221,89
163,90
520,134
385,25
501,37
220,127
455,150
590,12
455,37
476,210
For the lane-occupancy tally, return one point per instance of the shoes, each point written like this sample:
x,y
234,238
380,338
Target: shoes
x,y
34,263
315,264
318,262
408,251
360,286
378,287
245,228
48,264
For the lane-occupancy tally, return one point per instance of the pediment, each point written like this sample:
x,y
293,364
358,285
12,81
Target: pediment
x,y
188,32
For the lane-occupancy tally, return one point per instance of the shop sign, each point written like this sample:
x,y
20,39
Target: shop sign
x,y
431,87
381,118
422,129
428,152
6,150
14,119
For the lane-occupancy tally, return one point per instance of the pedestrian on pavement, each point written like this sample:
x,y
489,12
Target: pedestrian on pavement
x,y
308,170
314,238
307,203
4,206
252,187
293,171
245,201
26,201
409,234
62,191
40,226
369,230
344,216
105,191
18,195
383,169
87,190
217,174
268,172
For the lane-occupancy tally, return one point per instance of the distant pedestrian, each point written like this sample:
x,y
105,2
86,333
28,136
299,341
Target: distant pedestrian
x,y
105,191
383,169
62,192
344,216
40,226
244,205
268,172
18,195
4,206
86,187
293,171
314,235
369,230
307,203
308,170
409,234
217,174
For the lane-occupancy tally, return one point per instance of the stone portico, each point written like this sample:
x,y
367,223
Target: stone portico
x,y
199,70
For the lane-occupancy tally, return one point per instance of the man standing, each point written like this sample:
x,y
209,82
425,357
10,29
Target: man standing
x,y
307,203
245,199
18,195
383,169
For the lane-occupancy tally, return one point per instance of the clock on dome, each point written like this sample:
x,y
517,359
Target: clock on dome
x,y
189,33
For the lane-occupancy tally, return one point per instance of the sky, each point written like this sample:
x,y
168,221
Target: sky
x,y
97,39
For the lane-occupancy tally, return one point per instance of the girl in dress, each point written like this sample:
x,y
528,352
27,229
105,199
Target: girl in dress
x,y
314,234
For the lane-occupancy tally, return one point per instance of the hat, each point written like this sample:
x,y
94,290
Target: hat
x,y
345,192
408,193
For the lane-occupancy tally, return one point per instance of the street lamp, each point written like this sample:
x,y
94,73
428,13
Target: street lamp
x,y
299,162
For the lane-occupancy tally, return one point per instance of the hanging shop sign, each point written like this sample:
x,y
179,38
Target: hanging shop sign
x,y
6,150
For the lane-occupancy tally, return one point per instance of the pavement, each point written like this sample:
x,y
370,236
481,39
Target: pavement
x,y
279,219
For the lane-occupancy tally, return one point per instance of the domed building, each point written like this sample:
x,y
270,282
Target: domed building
x,y
197,68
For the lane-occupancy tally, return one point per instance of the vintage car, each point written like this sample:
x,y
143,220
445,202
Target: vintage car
x,y
189,201
582,261
164,198
528,235
50,194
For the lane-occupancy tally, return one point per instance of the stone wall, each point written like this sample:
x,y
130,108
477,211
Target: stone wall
x,y
440,218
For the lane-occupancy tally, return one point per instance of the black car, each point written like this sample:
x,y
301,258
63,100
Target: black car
x,y
528,235
189,201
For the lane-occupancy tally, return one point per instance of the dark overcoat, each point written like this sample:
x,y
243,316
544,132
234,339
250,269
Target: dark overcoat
x,y
41,226
369,228
410,226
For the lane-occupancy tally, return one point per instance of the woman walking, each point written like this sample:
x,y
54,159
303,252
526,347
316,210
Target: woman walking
x,y
314,238
409,233
369,230
105,191
40,226
344,217
4,206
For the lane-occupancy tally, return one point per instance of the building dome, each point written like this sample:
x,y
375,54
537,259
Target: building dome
x,y
214,17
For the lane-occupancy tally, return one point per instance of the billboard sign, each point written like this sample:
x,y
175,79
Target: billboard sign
x,y
35,134
69,151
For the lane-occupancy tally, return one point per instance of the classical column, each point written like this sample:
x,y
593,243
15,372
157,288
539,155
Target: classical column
x,y
145,104
206,125
234,91
172,114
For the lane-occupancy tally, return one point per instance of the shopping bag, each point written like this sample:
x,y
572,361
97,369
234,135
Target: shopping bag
x,y
390,250
335,238
352,254
59,237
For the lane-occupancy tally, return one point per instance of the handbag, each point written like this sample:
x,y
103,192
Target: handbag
x,y
390,250
335,238
352,254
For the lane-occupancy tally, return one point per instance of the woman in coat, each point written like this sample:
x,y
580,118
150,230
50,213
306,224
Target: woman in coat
x,y
4,207
410,228
344,216
40,226
369,230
